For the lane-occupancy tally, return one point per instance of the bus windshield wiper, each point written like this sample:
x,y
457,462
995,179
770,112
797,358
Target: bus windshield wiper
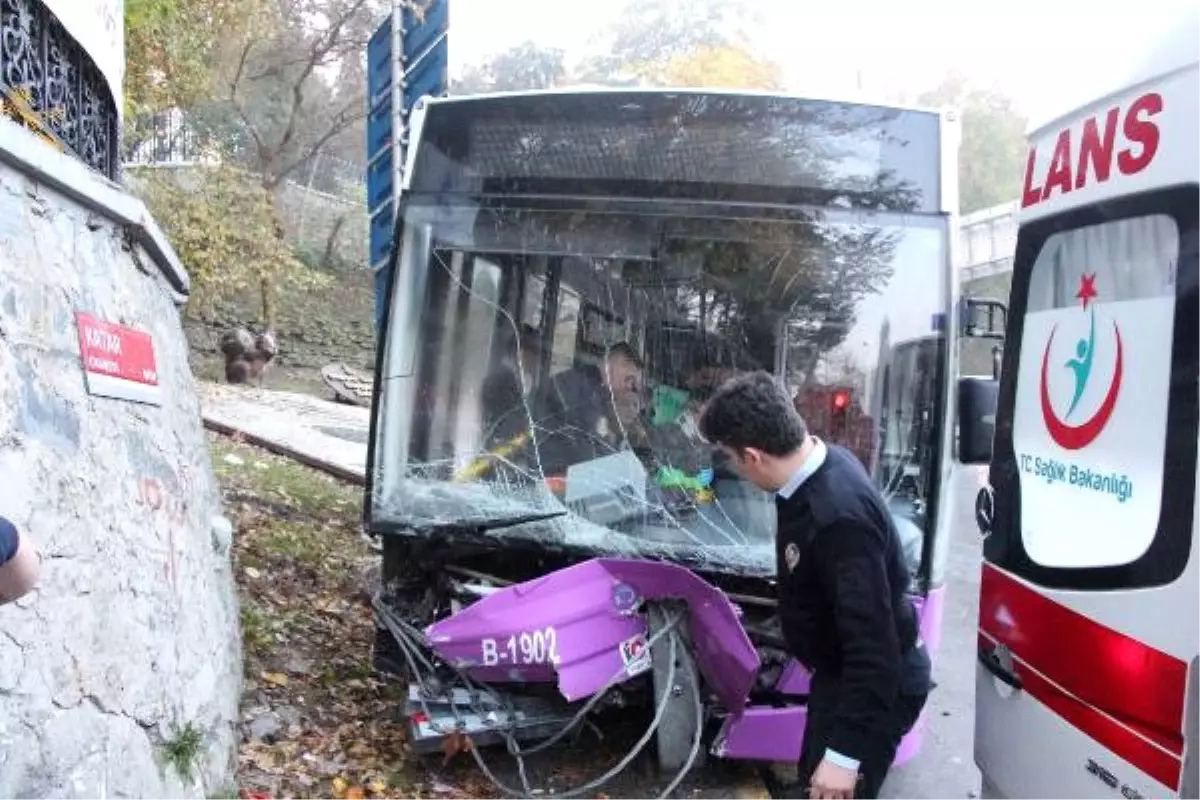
x,y
509,522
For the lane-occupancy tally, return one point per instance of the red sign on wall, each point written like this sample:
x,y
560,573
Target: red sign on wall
x,y
118,361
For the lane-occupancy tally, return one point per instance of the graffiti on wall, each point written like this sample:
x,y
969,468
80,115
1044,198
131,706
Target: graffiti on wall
x,y
169,502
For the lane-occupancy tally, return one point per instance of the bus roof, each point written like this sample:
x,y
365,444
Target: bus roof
x,y
688,144
584,89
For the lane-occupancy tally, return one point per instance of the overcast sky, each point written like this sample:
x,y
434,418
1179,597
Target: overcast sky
x,y
1046,54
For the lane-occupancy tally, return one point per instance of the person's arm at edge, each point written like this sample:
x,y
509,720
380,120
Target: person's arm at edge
x,y
870,646
19,574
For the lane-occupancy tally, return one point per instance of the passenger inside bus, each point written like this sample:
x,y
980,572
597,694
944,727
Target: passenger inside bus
x,y
604,424
589,411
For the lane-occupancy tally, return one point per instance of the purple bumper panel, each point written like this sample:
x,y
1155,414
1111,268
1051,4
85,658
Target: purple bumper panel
x,y
581,625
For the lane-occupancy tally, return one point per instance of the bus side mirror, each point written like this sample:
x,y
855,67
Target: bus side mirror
x,y
977,399
983,318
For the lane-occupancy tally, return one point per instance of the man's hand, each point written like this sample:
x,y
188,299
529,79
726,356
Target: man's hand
x,y
831,781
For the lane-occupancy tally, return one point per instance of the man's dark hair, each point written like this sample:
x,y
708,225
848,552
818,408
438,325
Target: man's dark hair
x,y
753,410
625,351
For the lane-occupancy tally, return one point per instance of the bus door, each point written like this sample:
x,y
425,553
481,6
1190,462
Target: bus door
x,y
1088,615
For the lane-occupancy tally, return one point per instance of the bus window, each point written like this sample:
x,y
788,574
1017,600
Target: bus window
x,y
535,294
477,332
562,350
673,323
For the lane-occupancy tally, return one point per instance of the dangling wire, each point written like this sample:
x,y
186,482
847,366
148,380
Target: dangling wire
x,y
412,642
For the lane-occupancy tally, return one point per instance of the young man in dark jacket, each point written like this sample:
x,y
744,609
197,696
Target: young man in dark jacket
x,y
842,587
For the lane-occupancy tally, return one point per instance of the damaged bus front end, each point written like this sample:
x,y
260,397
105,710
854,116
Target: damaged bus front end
x,y
557,537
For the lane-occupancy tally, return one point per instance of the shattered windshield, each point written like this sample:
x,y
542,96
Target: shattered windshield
x,y
547,359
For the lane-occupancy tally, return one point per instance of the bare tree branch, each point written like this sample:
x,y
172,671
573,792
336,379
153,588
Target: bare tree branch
x,y
279,68
352,112
321,47
259,144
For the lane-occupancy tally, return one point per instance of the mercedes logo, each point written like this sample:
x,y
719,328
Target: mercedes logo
x,y
985,510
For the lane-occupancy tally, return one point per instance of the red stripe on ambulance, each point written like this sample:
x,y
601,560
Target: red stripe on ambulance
x,y
1123,693
1073,166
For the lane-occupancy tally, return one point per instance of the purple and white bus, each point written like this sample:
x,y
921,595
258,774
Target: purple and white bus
x,y
697,234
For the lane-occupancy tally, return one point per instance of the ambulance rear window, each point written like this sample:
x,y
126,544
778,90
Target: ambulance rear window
x,y
1091,413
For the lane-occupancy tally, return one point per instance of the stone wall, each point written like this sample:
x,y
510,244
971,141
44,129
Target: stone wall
x,y
122,670
309,217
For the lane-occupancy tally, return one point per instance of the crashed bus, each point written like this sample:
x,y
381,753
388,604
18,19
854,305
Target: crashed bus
x,y
544,559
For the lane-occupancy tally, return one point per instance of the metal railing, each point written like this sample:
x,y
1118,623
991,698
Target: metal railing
x,y
50,85
169,139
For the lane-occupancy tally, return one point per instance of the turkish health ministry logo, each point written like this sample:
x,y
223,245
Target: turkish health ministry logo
x,y
1061,417
1065,430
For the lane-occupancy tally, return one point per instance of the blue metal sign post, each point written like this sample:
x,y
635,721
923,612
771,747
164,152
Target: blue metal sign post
x,y
407,58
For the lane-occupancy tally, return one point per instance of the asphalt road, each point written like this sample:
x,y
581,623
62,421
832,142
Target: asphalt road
x,y
946,765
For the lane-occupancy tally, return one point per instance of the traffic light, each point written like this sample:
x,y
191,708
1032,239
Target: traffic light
x,y
840,401
839,413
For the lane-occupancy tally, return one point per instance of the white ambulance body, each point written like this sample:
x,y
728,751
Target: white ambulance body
x,y
1089,610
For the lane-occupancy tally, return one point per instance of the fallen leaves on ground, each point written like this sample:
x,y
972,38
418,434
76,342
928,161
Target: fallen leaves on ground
x,y
315,721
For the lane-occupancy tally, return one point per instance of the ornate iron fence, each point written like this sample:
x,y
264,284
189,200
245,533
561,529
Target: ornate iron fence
x,y
162,138
50,85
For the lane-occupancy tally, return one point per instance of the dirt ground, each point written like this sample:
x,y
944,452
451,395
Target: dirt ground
x,y
315,722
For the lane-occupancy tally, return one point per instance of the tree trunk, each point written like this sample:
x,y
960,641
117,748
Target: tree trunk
x,y
760,326
266,283
331,242
268,302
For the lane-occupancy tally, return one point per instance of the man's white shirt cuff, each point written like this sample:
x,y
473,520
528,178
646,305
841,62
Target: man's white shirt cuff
x,y
834,757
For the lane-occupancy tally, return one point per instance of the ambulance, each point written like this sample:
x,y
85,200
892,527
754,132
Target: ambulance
x,y
1088,615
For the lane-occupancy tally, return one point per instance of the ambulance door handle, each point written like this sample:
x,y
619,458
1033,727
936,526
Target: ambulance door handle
x,y
993,660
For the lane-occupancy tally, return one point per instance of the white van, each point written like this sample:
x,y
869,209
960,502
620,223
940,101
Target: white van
x,y
1088,616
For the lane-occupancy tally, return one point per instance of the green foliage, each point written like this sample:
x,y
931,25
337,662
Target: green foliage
x,y
295,86
317,259
649,34
263,84
697,43
256,631
993,142
224,226
172,46
183,750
